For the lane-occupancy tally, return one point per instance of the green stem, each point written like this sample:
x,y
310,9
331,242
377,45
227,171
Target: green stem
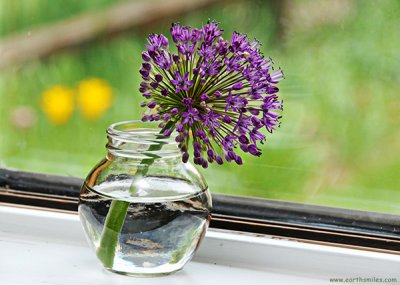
x,y
112,227
118,210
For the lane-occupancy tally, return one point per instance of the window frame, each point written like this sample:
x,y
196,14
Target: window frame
x,y
278,219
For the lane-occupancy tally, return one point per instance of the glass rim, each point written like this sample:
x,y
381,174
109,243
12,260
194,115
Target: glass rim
x,y
139,129
142,134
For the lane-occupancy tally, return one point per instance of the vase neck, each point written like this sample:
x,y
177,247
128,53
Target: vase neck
x,y
136,139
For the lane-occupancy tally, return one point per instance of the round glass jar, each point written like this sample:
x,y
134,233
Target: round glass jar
x,y
143,210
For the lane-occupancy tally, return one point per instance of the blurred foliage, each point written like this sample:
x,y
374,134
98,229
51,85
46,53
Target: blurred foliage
x,y
19,15
339,143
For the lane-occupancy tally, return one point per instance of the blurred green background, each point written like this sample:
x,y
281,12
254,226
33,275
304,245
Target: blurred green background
x,y
339,143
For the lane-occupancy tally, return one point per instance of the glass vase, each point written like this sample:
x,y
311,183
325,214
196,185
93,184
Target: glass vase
x,y
143,210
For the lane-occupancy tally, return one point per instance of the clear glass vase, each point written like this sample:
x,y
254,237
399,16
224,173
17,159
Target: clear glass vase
x,y
144,212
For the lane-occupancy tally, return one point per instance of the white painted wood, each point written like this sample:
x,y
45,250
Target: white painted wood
x,y
44,247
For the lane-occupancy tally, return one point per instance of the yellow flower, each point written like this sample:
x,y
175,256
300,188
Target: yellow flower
x,y
58,104
94,97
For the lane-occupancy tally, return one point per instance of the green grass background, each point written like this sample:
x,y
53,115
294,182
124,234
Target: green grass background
x,y
339,143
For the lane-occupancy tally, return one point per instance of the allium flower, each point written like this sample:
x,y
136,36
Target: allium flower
x,y
218,95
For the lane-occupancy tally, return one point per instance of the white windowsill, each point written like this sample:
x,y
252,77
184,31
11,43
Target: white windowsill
x,y
44,247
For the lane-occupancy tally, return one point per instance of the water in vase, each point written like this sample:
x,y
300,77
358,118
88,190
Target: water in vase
x,y
164,223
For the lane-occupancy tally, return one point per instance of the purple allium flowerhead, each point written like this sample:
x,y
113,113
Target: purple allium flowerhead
x,y
218,95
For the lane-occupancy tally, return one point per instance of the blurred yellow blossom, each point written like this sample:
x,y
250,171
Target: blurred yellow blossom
x,y
94,97
58,104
